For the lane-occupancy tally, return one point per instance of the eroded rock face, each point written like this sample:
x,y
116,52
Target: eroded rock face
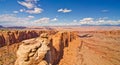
x,y
32,52
11,37
44,50
57,43
2,40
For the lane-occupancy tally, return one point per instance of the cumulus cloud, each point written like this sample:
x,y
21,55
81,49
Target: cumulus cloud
x,y
30,16
31,6
10,19
27,4
86,20
15,12
35,1
100,21
42,20
64,10
35,11
22,10
55,19
74,21
104,11
13,20
107,22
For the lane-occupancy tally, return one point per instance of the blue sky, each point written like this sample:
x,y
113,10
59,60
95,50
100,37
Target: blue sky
x,y
59,12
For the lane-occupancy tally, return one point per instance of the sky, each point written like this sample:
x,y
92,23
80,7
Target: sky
x,y
59,12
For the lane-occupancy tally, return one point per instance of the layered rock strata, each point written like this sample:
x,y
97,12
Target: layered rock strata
x,y
11,37
32,52
45,50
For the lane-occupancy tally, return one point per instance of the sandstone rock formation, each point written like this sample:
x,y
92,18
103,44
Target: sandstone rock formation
x,y
2,40
11,37
100,49
43,50
32,52
58,42
61,48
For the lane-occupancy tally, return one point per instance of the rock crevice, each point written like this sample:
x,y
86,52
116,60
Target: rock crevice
x,y
45,50
11,37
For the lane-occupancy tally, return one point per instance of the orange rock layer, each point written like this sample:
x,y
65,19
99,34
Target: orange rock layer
x,y
11,37
45,49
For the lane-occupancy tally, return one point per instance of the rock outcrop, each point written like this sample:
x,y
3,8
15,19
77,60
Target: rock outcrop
x,y
111,33
44,50
11,37
32,52
58,42
2,40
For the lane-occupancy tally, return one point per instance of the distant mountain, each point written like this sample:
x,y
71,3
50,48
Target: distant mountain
x,y
97,25
12,27
16,27
1,26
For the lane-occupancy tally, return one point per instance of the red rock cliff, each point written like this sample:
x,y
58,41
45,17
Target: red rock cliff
x,y
10,37
46,50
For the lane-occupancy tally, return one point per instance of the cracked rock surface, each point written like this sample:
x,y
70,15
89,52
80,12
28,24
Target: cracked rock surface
x,y
32,52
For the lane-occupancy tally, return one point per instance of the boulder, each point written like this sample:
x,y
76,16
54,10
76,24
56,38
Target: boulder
x,y
32,52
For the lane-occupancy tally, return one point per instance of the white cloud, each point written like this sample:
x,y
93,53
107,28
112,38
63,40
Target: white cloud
x,y
31,6
74,21
86,20
100,21
30,16
32,1
15,12
104,11
107,22
13,20
59,10
22,10
55,19
10,19
26,4
64,10
43,20
35,11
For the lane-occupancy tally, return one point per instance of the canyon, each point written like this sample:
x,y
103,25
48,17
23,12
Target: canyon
x,y
60,47
9,37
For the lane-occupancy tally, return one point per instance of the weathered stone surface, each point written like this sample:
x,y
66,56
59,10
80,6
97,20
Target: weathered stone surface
x,y
32,52
58,42
45,50
2,43
11,37
65,48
